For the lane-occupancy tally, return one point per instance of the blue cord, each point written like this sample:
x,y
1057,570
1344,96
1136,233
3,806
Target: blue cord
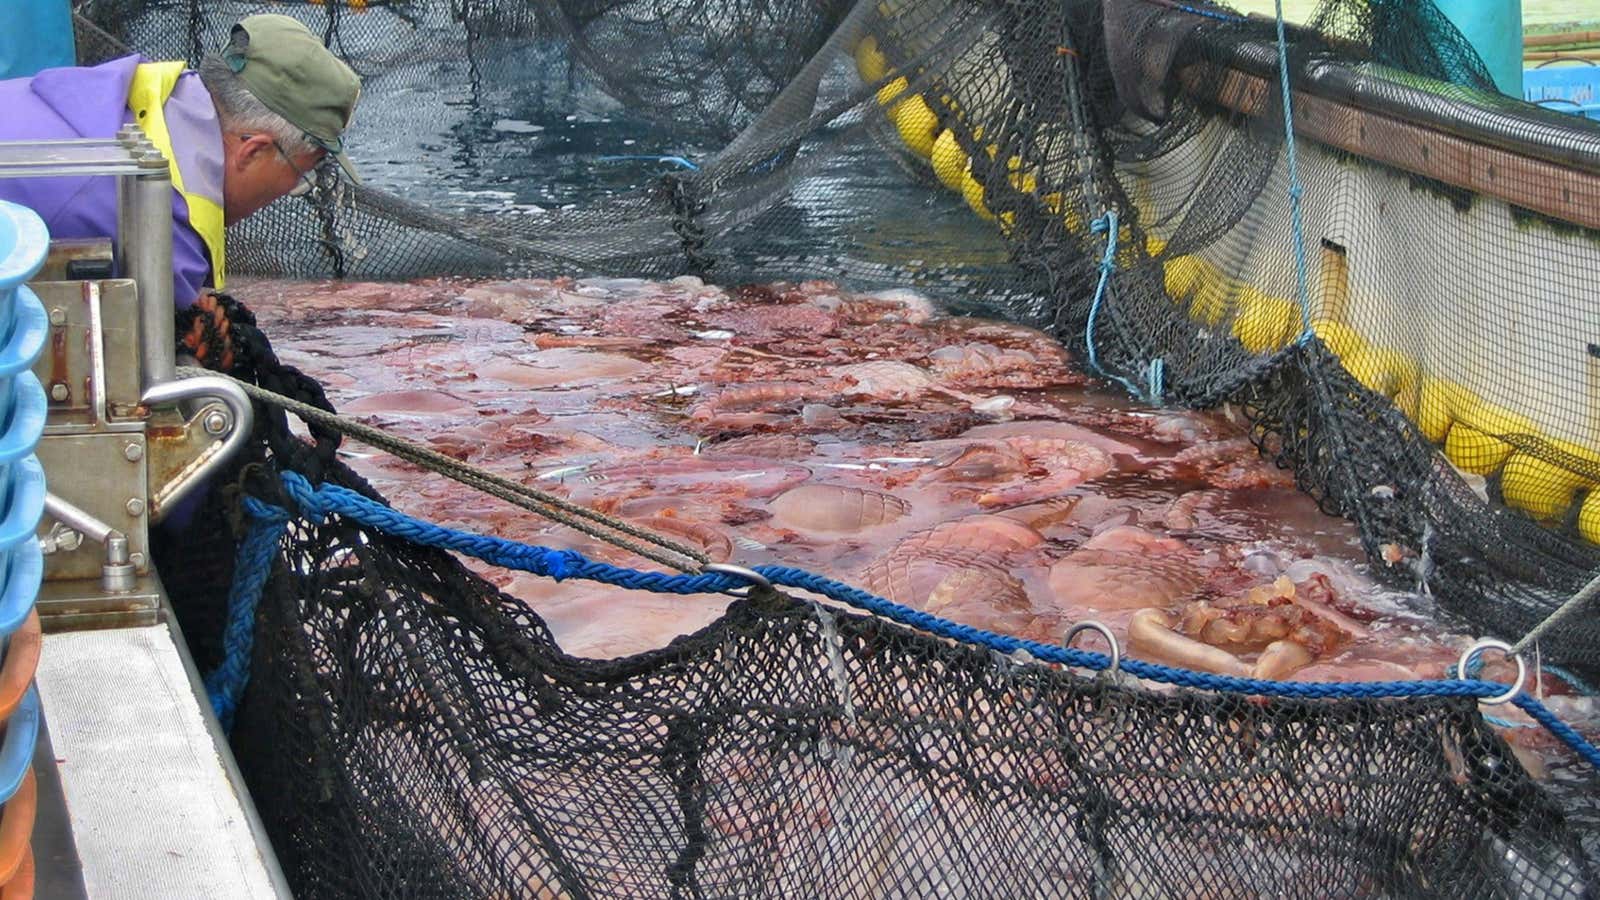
x,y
226,685
317,504
1573,681
1157,376
1108,264
675,160
1475,665
1295,188
1208,13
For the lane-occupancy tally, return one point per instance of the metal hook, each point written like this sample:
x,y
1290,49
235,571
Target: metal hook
x,y
1116,651
1503,647
750,575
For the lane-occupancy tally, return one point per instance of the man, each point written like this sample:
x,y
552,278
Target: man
x,y
253,124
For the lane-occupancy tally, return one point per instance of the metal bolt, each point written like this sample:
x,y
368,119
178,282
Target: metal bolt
x,y
215,422
136,560
135,506
58,316
132,452
59,392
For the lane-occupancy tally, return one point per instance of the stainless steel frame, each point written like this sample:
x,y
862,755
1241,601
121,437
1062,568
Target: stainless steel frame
x,y
119,459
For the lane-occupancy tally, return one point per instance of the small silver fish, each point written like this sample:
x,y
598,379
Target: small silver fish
x,y
562,472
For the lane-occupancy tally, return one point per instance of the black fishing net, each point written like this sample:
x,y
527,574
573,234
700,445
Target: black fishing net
x,y
412,732
1117,171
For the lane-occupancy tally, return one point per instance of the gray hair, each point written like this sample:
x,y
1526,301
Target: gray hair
x,y
238,110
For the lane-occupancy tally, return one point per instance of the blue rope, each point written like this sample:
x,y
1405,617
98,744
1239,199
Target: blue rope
x,y
1542,714
226,685
317,504
1108,264
1157,376
1573,681
1475,665
675,160
1295,188
1209,13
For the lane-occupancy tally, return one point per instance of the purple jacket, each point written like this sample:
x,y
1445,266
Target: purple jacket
x,y
92,102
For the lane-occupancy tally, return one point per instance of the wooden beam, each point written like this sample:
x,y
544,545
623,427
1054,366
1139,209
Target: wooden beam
x,y
1541,55
1562,39
1562,193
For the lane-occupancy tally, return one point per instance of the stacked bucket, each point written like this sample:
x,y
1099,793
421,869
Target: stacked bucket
x,y
24,329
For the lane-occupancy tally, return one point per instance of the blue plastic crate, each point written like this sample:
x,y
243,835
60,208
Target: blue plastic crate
x,y
1574,89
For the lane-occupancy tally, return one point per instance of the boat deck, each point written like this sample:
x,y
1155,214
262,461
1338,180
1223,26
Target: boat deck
x,y
153,800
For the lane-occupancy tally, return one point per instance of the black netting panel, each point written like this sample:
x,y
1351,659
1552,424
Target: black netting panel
x,y
412,732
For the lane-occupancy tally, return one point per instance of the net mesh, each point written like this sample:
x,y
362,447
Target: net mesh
x,y
792,750
1434,380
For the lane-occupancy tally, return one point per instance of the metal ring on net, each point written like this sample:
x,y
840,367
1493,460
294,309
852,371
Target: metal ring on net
x,y
1503,647
1116,651
750,575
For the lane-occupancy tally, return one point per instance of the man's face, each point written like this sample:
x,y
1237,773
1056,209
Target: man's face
x,y
256,171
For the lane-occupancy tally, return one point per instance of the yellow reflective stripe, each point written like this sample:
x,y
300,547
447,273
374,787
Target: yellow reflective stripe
x,y
152,84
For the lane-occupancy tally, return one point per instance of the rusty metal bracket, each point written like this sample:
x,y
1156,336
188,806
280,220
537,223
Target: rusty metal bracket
x,y
216,422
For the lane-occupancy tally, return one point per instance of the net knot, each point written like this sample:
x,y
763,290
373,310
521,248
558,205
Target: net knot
x,y
683,197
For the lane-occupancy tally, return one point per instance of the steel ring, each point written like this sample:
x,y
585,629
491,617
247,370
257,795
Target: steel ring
x,y
1503,647
750,575
1116,651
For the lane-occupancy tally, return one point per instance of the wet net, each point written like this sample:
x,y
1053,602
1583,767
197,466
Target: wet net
x,y
452,750
1407,315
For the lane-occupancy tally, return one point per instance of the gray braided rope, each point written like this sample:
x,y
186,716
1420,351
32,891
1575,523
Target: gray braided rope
x,y
550,506
1584,595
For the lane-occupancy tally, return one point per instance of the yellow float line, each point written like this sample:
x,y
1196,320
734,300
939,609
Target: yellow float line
x,y
1442,410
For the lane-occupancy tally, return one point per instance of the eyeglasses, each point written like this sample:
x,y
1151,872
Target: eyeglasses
x,y
307,177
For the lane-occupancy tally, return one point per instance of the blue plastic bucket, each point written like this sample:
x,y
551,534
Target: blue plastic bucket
x,y
24,328
1574,89
24,243
30,331
19,522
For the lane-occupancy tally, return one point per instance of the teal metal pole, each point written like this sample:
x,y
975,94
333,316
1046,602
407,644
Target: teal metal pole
x,y
1494,29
